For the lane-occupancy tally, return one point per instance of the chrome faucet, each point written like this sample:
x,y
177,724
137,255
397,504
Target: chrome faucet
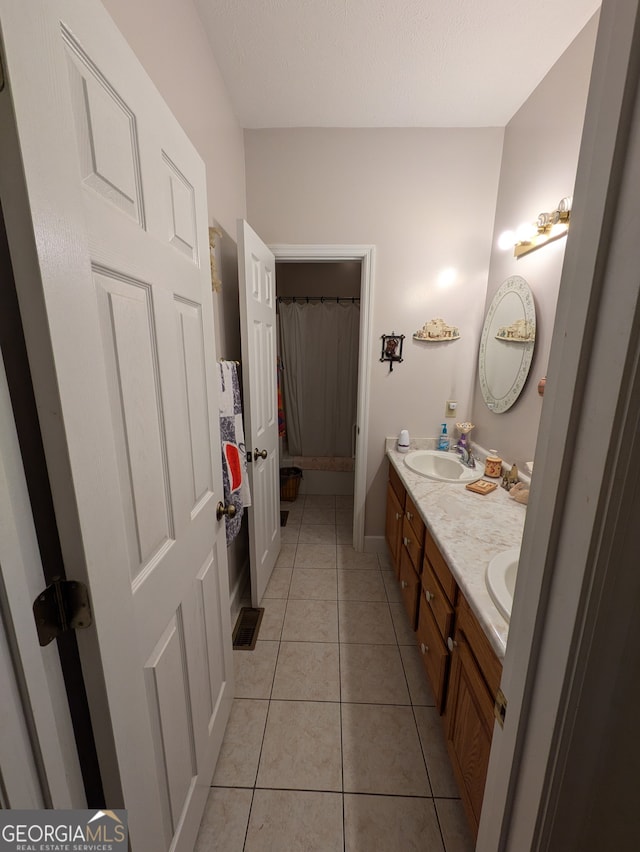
x,y
465,454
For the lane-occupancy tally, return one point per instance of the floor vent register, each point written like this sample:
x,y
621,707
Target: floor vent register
x,y
245,633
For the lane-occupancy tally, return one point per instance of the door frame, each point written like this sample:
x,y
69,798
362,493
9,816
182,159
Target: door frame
x,y
574,623
39,766
366,255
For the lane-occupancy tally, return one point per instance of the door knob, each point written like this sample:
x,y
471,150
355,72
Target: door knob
x,y
259,454
229,510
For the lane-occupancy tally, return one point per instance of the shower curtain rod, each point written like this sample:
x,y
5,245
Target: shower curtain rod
x,y
319,298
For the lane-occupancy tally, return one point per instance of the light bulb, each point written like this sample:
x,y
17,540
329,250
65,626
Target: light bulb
x,y
525,232
506,240
446,277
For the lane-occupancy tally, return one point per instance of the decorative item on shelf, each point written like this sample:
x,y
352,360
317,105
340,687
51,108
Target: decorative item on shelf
x,y
520,331
437,331
392,349
493,465
216,283
547,228
541,385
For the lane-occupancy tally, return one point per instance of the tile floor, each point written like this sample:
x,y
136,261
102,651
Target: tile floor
x,y
333,741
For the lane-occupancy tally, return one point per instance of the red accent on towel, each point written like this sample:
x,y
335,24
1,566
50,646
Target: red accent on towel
x,y
232,457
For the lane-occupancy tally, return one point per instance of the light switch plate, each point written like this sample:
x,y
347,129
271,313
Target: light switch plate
x,y
450,408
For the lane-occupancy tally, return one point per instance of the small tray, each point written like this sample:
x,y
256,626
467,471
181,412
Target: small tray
x,y
482,486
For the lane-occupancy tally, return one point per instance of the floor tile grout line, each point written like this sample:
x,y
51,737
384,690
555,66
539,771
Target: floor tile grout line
x,y
246,831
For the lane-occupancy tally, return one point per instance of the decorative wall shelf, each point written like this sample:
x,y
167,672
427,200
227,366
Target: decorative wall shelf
x,y
437,331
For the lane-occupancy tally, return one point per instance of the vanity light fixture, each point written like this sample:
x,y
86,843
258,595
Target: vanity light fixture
x,y
547,228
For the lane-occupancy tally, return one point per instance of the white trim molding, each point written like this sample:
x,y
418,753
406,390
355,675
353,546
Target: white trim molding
x,y
366,255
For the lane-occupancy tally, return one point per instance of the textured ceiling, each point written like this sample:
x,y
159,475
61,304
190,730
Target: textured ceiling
x,y
387,63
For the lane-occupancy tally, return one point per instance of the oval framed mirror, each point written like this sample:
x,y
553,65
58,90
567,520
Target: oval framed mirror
x,y
507,343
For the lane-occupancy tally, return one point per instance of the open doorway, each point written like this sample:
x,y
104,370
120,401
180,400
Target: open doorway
x,y
318,310
362,258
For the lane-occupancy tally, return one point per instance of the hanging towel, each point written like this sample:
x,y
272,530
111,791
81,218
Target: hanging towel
x,y
282,423
234,451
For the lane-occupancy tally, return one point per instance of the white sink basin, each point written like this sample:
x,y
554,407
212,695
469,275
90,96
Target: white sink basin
x,y
437,464
501,579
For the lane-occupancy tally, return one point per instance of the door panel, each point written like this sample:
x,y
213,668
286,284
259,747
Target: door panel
x,y
119,327
193,381
259,351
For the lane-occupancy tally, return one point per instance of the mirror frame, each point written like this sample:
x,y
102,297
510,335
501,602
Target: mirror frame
x,y
517,285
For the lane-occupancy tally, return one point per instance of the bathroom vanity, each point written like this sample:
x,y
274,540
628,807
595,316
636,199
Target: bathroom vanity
x,y
441,538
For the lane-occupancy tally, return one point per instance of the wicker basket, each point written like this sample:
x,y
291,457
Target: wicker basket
x,y
289,483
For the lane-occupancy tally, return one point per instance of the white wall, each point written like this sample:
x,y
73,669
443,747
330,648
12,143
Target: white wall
x,y
539,164
169,41
426,198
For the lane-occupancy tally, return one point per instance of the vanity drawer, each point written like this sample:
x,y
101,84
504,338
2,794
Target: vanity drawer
x,y
434,595
486,659
413,516
409,588
412,544
396,484
434,654
440,568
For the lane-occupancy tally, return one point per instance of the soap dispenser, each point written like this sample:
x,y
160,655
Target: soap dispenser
x,y
443,440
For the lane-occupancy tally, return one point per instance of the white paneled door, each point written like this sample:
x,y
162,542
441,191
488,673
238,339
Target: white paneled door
x,y
105,206
259,353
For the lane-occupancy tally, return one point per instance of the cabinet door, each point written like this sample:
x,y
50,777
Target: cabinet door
x,y
469,727
409,586
433,594
393,527
412,544
440,568
413,516
435,656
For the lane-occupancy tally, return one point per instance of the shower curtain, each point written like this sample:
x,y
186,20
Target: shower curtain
x,y
319,345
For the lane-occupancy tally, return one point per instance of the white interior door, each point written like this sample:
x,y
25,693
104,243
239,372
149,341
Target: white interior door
x,y
106,216
257,276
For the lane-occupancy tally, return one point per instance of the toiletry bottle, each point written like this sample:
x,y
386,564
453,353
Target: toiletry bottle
x,y
443,440
403,441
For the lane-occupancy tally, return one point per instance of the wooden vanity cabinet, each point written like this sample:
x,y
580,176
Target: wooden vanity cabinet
x,y
393,526
409,586
458,660
435,619
469,720
411,559
434,653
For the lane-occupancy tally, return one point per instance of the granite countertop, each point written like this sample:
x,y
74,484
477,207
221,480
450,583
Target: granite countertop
x,y
470,529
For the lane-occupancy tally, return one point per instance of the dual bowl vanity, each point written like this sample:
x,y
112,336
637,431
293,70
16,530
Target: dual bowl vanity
x,y
454,553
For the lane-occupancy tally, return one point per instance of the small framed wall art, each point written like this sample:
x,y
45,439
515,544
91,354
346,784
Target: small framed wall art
x,y
392,349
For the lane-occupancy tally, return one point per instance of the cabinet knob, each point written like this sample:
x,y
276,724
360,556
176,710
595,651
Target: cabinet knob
x,y
428,595
404,584
409,516
424,648
451,644
406,541
398,516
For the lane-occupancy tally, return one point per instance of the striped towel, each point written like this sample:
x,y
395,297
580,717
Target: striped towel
x,y
234,452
